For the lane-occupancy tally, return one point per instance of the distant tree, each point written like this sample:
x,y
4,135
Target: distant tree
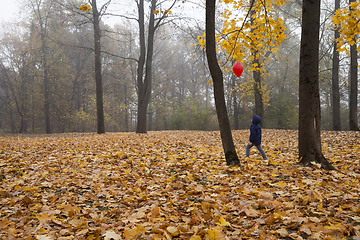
x,y
42,12
144,76
98,77
96,18
347,20
235,104
17,78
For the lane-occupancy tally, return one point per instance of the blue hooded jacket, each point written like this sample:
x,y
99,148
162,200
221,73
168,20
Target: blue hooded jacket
x,y
255,131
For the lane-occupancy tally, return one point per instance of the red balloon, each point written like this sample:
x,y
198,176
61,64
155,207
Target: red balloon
x,y
238,69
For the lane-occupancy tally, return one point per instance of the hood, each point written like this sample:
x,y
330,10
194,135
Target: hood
x,y
256,119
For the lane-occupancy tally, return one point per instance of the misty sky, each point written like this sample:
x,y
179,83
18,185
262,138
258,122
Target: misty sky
x,y
8,10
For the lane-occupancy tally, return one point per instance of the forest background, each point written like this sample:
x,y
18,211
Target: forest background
x,y
181,94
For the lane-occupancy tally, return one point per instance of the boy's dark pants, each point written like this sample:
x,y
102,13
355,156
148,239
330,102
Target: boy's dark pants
x,y
261,150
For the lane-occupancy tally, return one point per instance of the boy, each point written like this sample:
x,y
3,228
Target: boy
x,y
255,137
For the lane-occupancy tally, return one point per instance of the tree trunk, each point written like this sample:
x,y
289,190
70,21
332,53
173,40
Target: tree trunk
x,y
353,121
126,116
141,116
259,105
98,77
234,92
144,86
309,98
217,76
46,82
335,81
353,89
44,54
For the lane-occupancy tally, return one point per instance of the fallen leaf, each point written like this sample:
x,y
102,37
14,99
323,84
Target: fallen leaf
x,y
110,235
251,213
195,237
305,230
282,232
155,212
174,231
43,217
134,233
222,222
44,237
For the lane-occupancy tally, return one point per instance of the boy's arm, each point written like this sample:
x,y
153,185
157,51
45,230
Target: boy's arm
x,y
252,134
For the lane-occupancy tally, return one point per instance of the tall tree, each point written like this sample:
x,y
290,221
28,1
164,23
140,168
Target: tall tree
x,y
335,80
260,33
96,17
218,83
353,89
144,78
347,19
309,98
144,84
259,105
42,12
353,84
98,76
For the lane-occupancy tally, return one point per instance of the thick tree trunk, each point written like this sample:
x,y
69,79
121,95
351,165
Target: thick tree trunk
x,y
141,115
98,77
259,105
144,86
309,98
217,76
353,121
335,81
353,89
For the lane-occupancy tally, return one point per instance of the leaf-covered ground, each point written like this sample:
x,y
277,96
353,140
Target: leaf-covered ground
x,y
175,185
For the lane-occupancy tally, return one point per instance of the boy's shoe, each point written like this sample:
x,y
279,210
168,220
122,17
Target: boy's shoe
x,y
265,158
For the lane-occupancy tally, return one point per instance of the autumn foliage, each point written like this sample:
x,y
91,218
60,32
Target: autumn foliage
x,y
175,185
347,20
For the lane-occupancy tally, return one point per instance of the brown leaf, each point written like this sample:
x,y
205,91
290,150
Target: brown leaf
x,y
250,212
26,201
155,212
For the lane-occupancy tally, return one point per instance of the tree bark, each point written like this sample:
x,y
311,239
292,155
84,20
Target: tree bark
x,y
353,89
45,76
335,81
217,76
353,121
98,77
309,97
141,116
144,86
234,93
259,105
